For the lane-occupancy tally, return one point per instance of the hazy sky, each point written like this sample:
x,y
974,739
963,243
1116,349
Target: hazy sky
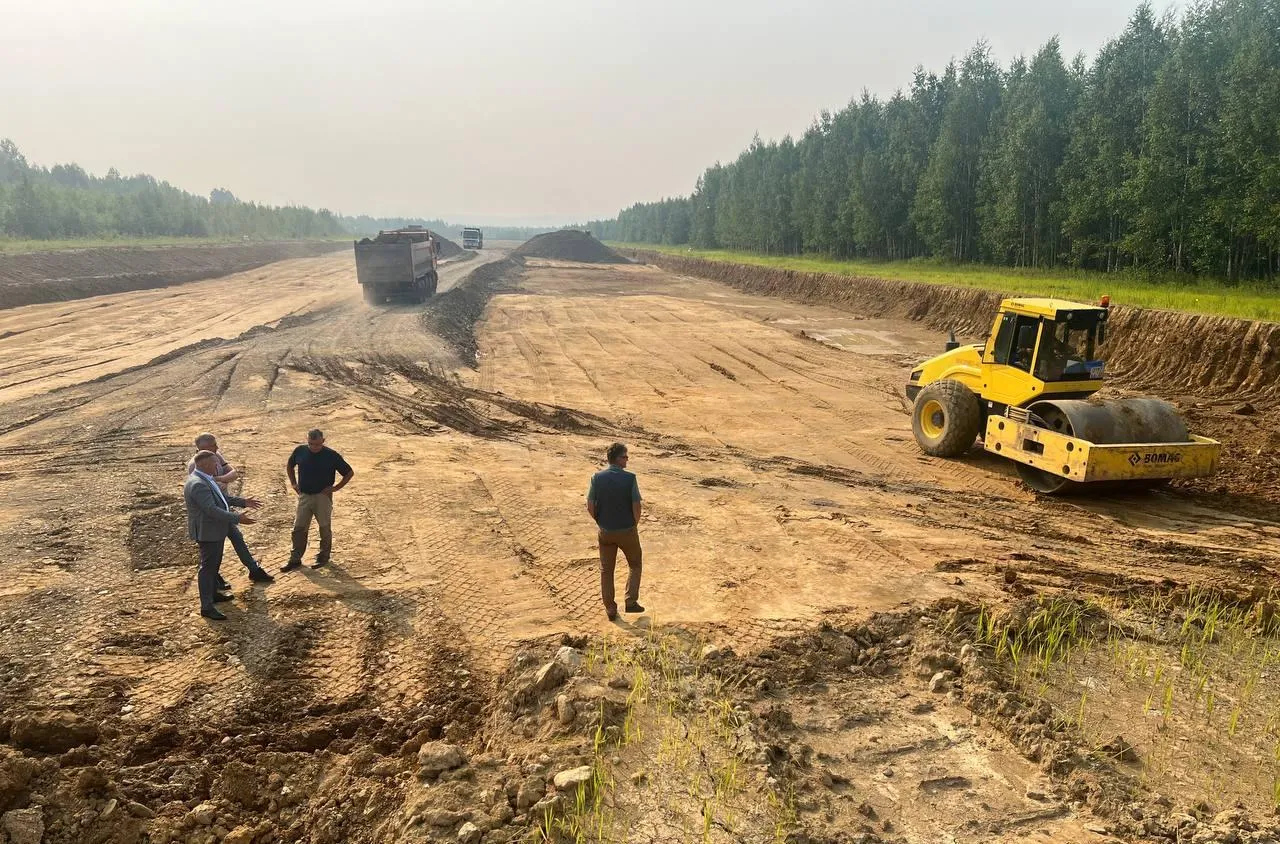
x,y
537,111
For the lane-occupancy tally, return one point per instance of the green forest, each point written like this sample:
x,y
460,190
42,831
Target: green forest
x,y
1161,156
64,202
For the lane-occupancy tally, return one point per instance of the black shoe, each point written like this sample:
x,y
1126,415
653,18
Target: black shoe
x,y
611,614
223,586
213,615
260,576
320,562
220,598
292,565
633,606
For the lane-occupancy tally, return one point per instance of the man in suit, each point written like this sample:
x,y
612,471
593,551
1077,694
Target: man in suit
x,y
209,520
223,475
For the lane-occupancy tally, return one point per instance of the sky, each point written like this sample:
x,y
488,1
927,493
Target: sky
x,y
502,111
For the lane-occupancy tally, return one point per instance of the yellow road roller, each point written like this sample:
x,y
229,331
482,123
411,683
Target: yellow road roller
x,y
1028,393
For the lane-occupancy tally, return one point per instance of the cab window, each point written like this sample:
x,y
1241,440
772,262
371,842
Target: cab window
x,y
1021,350
1004,337
1066,351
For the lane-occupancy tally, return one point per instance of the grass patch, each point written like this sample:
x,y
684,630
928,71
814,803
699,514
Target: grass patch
x,y
673,768
13,247
1251,301
1187,679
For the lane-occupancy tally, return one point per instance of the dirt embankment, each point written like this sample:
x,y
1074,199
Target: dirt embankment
x,y
453,315
1209,357
568,245
32,278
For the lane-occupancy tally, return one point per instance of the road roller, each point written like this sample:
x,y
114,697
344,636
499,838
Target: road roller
x,y
1028,393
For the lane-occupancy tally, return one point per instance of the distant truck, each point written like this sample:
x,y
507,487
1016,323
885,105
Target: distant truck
x,y
472,239
398,264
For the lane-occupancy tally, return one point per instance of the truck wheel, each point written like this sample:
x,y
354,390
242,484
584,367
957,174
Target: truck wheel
x,y
433,282
372,296
946,419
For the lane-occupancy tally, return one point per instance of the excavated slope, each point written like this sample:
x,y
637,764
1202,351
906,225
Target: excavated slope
x,y
1165,352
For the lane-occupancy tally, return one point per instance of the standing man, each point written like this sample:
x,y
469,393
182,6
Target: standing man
x,y
223,475
614,502
209,519
312,469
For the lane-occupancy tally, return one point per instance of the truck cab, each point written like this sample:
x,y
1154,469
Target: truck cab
x,y
472,238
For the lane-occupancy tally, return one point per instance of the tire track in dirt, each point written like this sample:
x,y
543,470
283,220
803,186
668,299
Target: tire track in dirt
x,y
541,380
574,586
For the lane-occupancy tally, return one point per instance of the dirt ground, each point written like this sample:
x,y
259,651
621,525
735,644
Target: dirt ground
x,y
31,278
794,537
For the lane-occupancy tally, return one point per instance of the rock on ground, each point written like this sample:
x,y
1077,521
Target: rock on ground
x,y
56,732
436,757
565,710
570,658
575,778
240,835
531,791
23,826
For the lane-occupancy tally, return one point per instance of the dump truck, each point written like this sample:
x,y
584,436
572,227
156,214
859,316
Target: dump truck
x,y
1028,393
472,238
399,265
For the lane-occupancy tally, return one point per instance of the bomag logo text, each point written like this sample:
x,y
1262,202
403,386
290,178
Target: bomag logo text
x,y
1153,457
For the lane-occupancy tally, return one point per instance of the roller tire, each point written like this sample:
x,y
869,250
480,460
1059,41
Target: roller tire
x,y
954,419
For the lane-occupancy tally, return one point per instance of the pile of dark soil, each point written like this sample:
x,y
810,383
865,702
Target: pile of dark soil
x,y
448,248
453,315
569,245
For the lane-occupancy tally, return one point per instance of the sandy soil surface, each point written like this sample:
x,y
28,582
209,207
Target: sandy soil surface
x,y
783,494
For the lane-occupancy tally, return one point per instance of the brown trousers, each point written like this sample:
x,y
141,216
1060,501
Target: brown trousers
x,y
610,541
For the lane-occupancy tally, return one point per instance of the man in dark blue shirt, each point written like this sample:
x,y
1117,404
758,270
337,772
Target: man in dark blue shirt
x,y
312,470
614,502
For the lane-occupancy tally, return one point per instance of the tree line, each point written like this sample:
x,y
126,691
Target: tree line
x,y
1160,156
365,224
65,202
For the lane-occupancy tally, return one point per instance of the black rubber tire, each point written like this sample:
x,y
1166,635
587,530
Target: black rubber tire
x,y
372,296
961,419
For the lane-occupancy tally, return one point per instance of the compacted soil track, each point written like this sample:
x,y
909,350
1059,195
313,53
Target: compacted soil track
x,y
772,442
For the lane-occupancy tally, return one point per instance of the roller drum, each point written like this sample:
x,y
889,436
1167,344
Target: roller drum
x,y
1111,422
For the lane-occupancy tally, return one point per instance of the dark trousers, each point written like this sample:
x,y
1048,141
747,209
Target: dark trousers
x,y
241,547
207,577
242,551
610,541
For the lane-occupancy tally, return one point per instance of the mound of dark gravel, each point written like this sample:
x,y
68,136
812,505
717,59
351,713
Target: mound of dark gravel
x,y
569,245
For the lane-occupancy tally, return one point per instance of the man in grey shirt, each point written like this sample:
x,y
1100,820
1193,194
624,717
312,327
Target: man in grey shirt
x,y
613,500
